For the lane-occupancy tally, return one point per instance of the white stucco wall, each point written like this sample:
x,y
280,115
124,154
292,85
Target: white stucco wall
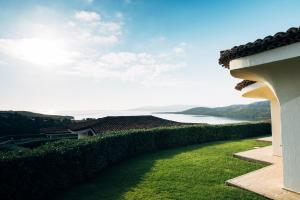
x,y
280,70
276,128
262,91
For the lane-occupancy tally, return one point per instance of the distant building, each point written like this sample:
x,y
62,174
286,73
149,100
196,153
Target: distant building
x,y
91,127
83,132
271,68
56,132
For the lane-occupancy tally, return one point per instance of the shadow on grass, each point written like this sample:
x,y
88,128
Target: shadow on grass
x,y
114,182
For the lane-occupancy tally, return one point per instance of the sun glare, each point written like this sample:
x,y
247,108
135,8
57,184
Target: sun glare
x,y
44,51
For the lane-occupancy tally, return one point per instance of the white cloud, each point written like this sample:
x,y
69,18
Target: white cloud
x,y
87,16
119,15
43,52
180,49
90,27
3,62
126,66
81,45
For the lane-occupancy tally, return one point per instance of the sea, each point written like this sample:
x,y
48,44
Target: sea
x,y
78,115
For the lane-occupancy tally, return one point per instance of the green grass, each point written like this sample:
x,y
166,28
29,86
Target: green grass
x,y
193,172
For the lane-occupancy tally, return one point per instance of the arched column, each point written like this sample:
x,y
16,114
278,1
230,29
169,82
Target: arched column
x,y
262,91
276,128
283,77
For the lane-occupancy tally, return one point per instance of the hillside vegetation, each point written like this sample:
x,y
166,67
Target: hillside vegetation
x,y
32,115
69,162
118,123
22,122
253,111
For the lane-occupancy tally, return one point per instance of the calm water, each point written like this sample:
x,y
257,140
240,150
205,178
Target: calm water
x,y
198,119
173,117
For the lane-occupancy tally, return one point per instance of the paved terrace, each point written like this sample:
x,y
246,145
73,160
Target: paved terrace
x,y
266,181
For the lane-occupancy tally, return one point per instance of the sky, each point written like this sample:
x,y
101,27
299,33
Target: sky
x,y
60,55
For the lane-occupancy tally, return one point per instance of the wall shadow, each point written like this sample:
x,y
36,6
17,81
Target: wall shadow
x,y
115,181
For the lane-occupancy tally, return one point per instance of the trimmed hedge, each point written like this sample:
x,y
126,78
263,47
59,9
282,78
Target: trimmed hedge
x,y
39,173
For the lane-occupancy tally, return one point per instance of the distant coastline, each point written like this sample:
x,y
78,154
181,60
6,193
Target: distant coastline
x,y
253,111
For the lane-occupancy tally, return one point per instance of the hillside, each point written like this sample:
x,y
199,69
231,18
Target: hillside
x,y
23,122
131,122
32,114
254,111
115,123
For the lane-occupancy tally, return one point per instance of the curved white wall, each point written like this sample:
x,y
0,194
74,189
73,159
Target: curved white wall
x,y
262,91
280,70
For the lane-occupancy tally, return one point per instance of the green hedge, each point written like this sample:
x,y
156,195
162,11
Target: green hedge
x,y
41,172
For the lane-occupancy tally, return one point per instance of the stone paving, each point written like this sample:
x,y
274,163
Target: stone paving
x,y
266,181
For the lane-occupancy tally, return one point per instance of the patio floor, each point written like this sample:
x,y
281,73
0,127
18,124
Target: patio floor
x,y
266,181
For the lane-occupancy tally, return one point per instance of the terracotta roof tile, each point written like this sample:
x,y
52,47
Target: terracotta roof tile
x,y
117,123
244,84
280,39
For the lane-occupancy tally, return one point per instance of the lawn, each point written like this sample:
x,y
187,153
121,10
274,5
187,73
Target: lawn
x,y
193,172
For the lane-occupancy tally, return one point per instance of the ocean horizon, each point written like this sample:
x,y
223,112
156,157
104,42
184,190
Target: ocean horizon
x,y
184,118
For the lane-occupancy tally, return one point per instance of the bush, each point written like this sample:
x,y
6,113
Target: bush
x,y
38,173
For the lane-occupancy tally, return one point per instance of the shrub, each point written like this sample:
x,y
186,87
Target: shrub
x,y
38,173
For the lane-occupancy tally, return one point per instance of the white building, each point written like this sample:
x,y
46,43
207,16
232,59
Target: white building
x,y
83,132
274,64
259,90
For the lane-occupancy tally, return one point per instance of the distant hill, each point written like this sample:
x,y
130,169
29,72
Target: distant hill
x,y
254,111
116,123
32,114
23,122
131,122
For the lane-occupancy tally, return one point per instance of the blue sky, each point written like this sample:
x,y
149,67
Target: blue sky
x,y
101,54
